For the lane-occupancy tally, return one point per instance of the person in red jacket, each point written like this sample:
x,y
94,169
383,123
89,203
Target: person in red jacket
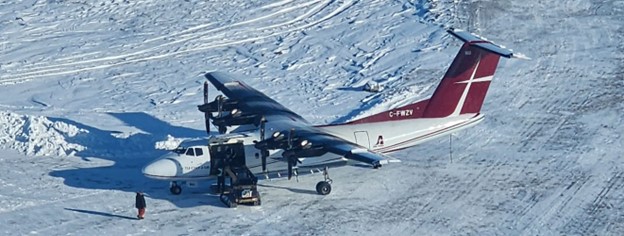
x,y
140,205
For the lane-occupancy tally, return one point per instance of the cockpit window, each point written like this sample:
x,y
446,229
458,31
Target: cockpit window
x,y
199,152
190,152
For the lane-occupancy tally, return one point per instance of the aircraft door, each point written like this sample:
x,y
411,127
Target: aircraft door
x,y
361,138
233,154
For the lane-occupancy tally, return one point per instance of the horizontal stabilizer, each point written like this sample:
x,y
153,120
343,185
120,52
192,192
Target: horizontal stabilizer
x,y
480,42
363,155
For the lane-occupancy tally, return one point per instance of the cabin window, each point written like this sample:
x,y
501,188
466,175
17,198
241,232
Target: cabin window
x,y
199,152
190,152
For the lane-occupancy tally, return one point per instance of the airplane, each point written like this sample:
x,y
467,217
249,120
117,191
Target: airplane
x,y
295,146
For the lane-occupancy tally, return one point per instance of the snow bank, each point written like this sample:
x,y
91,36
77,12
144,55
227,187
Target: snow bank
x,y
169,144
37,135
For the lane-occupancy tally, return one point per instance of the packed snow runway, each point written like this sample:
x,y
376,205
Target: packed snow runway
x,y
90,91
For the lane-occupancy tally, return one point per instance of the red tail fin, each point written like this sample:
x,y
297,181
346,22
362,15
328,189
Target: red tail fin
x,y
463,88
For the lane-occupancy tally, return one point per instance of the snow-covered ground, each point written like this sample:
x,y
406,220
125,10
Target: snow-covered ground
x,y
89,89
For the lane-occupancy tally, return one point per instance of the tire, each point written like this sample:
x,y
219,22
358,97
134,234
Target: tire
x,y
323,188
175,190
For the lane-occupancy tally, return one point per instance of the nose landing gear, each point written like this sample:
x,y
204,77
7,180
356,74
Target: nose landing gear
x,y
175,189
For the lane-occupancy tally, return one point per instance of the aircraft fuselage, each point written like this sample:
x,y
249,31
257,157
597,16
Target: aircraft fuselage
x,y
194,160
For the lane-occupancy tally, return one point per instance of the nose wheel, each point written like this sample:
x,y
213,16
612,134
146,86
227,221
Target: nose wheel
x,y
175,188
324,187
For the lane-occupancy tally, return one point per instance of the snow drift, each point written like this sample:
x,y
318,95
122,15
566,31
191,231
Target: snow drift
x,y
37,135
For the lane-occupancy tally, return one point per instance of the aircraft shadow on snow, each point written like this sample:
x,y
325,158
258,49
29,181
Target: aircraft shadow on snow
x,y
294,190
129,155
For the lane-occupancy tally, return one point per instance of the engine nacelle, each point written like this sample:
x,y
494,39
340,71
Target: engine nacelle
x,y
227,105
309,152
239,118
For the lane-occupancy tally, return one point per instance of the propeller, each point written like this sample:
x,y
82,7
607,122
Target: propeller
x,y
290,166
290,157
227,110
207,115
289,154
292,163
263,152
289,143
220,99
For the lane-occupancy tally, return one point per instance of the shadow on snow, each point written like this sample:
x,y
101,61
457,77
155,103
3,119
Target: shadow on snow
x,y
101,213
129,155
294,190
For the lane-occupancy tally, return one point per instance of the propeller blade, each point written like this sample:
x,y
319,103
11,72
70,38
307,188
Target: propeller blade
x,y
291,135
206,92
264,159
262,129
291,157
207,121
290,168
263,152
220,99
206,114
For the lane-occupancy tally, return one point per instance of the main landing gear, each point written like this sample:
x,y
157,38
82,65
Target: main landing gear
x,y
175,188
324,187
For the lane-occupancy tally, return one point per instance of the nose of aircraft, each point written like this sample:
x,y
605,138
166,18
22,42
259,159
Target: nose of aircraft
x,y
161,168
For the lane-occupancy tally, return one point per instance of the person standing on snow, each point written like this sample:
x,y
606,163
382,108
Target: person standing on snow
x,y
140,204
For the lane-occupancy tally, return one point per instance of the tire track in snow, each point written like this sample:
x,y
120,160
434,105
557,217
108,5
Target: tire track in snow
x,y
552,126
555,207
600,203
153,54
138,54
37,213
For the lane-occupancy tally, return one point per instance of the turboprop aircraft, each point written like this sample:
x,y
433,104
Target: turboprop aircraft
x,y
294,145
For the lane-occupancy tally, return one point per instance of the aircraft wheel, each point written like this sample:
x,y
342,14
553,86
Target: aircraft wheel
x,y
175,190
323,188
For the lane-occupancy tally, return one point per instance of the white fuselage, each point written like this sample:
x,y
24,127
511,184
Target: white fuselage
x,y
390,136
192,159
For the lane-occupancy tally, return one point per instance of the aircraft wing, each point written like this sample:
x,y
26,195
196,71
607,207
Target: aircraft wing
x,y
249,99
281,119
345,148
